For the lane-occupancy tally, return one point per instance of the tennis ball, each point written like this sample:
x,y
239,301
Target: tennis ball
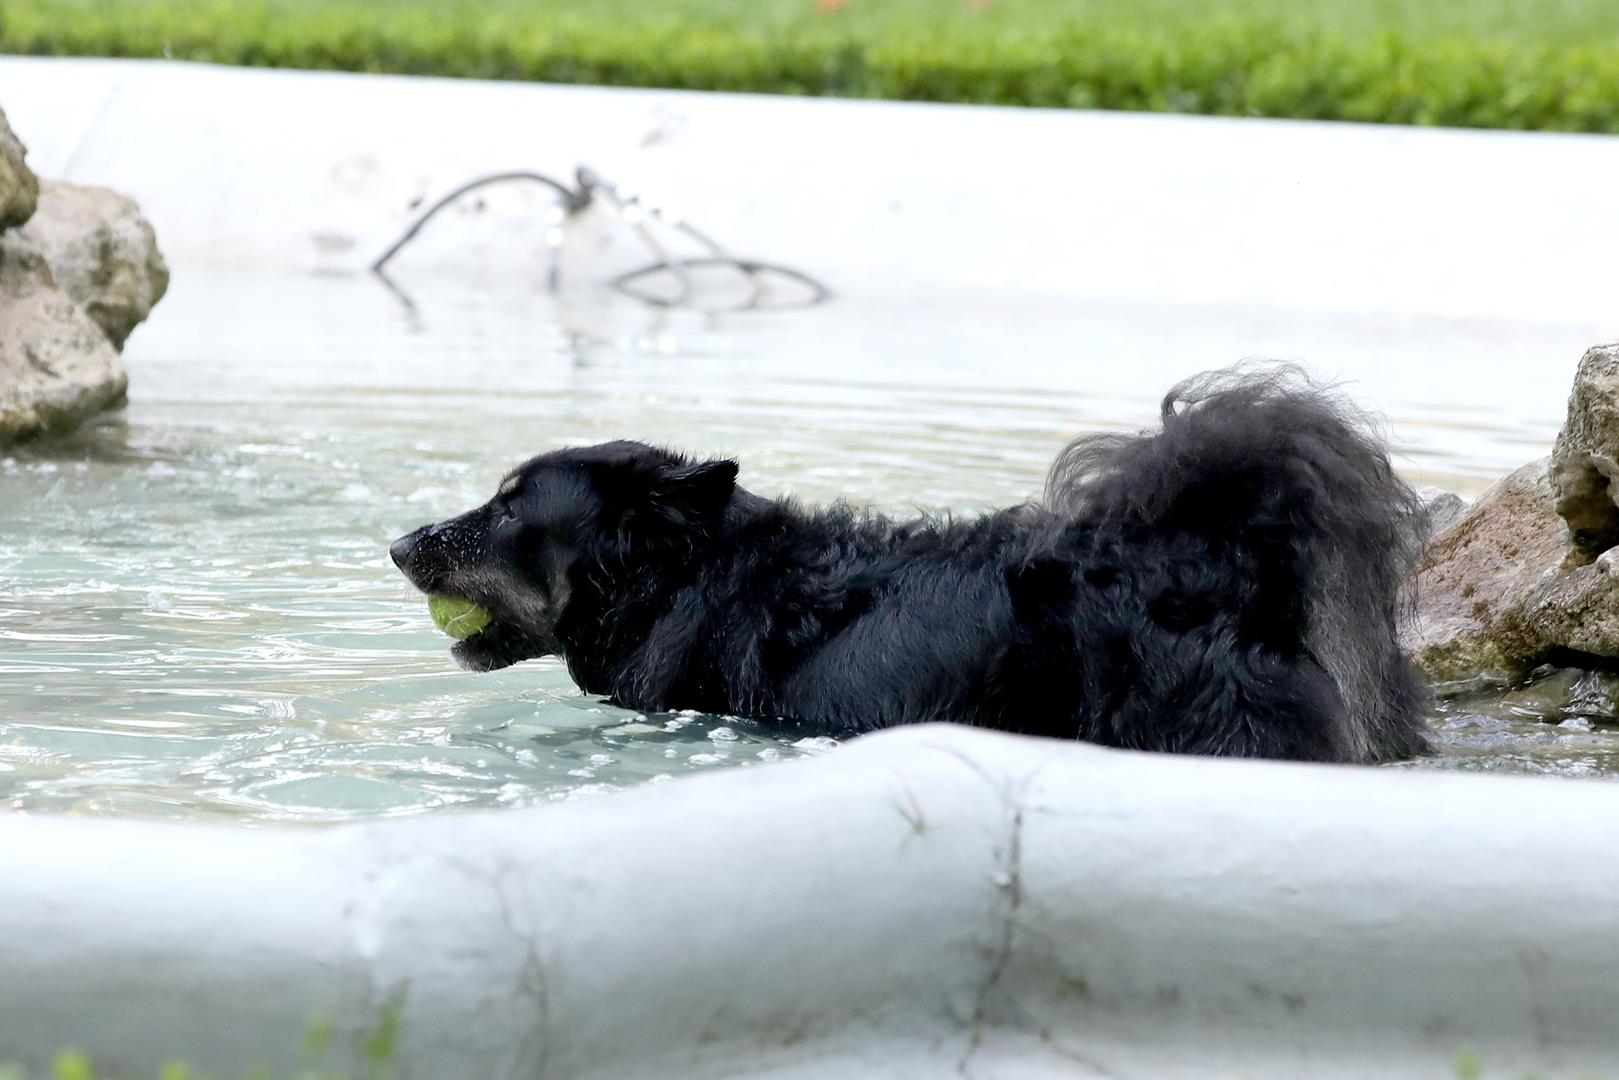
x,y
458,618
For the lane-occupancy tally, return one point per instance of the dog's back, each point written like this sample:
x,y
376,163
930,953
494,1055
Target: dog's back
x,y
1226,584
1269,496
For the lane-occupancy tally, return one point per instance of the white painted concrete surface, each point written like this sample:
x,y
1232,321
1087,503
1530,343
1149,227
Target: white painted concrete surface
x,y
924,903
321,171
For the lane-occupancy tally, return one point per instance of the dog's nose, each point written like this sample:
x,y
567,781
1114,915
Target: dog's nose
x,y
400,549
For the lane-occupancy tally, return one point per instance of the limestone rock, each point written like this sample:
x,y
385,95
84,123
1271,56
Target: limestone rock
x,y
1531,570
18,187
1444,508
56,366
1579,609
1585,461
1482,587
101,251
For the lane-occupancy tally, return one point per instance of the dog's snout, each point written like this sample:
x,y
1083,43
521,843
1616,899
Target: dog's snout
x,y
400,549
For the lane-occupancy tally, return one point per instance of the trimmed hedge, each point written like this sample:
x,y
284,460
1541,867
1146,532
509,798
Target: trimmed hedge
x,y
1540,73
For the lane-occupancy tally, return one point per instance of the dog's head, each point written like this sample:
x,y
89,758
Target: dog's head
x,y
565,520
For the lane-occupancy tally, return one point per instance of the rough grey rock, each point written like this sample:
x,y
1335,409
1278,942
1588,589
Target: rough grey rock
x,y
1479,580
1531,570
19,189
1444,508
102,251
1578,610
1585,461
56,366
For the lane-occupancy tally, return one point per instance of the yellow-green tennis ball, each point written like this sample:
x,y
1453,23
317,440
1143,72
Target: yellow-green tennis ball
x,y
458,618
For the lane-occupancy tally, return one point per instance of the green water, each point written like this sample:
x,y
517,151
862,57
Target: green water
x,y
198,617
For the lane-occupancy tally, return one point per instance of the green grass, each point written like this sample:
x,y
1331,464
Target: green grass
x,y
1548,64
377,1044
72,1065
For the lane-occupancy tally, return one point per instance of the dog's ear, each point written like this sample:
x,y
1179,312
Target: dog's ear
x,y
692,496
660,499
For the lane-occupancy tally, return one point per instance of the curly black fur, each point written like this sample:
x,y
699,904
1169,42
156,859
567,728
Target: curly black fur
x,y
1224,585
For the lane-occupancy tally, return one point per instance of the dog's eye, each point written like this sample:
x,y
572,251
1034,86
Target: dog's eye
x,y
504,512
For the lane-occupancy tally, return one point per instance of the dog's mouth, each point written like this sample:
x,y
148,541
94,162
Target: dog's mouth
x,y
495,646
484,650
505,640
515,629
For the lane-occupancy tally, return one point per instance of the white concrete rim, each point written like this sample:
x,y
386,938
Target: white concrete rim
x,y
925,902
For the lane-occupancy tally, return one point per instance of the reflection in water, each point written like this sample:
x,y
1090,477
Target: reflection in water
x,y
198,617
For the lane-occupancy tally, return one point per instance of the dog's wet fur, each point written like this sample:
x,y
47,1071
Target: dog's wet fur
x,y
1226,584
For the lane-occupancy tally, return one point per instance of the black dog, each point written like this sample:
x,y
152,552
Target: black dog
x,y
1225,585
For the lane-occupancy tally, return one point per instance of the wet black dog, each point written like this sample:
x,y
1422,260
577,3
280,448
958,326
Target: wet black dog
x,y
1225,585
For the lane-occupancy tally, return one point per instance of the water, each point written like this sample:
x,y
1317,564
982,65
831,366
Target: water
x,y
1558,722
198,617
